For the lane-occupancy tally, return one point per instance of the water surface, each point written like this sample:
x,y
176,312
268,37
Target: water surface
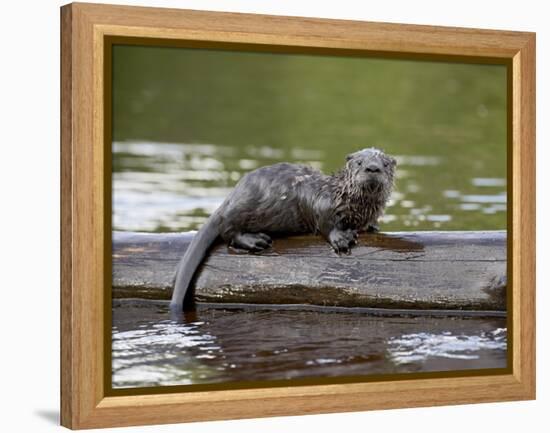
x,y
188,124
219,346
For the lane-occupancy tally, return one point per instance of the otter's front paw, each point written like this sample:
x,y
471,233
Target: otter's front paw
x,y
373,228
342,240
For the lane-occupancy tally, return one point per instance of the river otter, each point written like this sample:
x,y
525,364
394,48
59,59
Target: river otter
x,y
292,199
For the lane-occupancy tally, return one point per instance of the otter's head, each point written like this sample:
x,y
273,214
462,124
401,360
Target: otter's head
x,y
371,169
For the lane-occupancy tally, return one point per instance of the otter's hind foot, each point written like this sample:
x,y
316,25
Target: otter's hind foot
x,y
253,242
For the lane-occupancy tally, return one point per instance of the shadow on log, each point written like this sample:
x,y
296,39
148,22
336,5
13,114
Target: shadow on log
x,y
405,270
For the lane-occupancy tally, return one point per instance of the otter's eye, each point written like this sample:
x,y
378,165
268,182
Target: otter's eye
x,y
386,164
359,163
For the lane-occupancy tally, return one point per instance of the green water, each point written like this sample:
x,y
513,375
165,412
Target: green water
x,y
187,124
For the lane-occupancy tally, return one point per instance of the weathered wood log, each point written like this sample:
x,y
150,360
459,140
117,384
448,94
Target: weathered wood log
x,y
405,270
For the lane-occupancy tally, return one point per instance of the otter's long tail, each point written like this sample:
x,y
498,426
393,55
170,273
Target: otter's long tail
x,y
191,260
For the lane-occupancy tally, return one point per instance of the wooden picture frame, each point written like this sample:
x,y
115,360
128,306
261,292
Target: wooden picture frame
x,y
87,32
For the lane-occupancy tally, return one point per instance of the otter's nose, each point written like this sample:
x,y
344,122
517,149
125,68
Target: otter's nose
x,y
373,168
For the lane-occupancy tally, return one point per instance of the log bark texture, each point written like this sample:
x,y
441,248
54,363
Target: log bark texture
x,y
405,270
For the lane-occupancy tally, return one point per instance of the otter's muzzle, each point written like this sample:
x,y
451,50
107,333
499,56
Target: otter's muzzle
x,y
373,168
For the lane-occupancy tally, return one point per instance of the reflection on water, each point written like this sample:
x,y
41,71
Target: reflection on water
x,y
425,345
219,345
174,187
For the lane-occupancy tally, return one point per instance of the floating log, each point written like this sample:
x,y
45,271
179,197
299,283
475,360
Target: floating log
x,y
399,270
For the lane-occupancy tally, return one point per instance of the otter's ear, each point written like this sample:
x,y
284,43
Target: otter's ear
x,y
350,156
393,161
